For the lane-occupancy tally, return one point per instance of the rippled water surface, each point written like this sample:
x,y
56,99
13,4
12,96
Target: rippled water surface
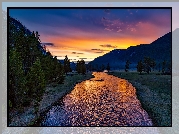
x,y
101,101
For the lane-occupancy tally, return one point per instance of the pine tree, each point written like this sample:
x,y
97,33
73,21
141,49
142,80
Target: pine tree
x,y
147,64
67,65
48,66
58,71
127,66
139,67
153,64
102,67
36,83
81,67
163,66
169,68
108,67
17,80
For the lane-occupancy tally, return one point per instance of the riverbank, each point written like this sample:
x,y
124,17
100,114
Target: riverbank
x,y
154,93
53,93
105,100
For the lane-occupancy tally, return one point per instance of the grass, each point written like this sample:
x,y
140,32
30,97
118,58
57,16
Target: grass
x,y
154,92
53,93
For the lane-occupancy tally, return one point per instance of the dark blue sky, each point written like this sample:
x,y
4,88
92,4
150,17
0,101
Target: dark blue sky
x,y
88,33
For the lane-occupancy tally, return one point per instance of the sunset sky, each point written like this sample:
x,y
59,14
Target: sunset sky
x,y
89,33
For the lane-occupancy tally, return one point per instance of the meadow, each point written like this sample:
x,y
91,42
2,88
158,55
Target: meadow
x,y
154,92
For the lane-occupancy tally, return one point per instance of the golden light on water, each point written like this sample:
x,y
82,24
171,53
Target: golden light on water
x,y
101,101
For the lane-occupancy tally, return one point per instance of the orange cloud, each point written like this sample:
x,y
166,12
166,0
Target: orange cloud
x,y
142,33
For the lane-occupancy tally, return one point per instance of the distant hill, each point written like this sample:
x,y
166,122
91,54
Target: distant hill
x,y
159,50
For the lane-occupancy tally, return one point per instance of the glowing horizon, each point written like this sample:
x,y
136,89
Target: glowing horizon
x,y
90,33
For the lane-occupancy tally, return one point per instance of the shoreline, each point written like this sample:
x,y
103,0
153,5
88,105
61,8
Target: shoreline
x,y
149,91
53,93
154,97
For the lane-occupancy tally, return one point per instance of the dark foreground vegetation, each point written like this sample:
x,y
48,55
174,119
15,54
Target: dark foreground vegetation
x,y
31,68
154,92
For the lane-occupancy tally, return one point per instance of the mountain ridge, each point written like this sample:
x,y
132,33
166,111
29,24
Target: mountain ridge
x,y
159,50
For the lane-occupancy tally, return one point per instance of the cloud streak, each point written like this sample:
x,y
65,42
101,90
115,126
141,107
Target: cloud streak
x,y
76,53
99,50
48,44
108,46
83,58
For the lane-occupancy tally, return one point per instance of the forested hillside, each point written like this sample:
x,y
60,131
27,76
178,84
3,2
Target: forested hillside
x,y
30,67
159,51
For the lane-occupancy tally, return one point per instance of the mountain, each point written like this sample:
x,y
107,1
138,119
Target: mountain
x,y
159,50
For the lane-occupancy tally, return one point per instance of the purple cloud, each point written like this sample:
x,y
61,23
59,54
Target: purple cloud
x,y
47,44
98,50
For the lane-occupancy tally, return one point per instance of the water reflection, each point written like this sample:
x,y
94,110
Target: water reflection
x,y
101,101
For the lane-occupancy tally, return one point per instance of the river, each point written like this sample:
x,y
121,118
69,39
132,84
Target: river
x,y
104,100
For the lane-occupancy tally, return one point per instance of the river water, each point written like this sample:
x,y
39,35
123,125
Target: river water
x,y
104,100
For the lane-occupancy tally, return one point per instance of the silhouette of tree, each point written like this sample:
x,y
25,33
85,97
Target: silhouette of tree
x,y
169,68
67,65
81,67
139,66
163,66
147,64
57,71
108,67
102,67
127,66
152,64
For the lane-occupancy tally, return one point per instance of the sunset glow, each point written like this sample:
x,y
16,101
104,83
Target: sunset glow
x,y
89,33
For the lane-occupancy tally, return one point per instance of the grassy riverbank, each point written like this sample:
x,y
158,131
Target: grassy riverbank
x,y
52,94
154,93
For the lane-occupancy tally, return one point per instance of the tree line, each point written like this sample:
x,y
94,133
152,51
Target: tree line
x,y
30,67
98,68
146,65
80,66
